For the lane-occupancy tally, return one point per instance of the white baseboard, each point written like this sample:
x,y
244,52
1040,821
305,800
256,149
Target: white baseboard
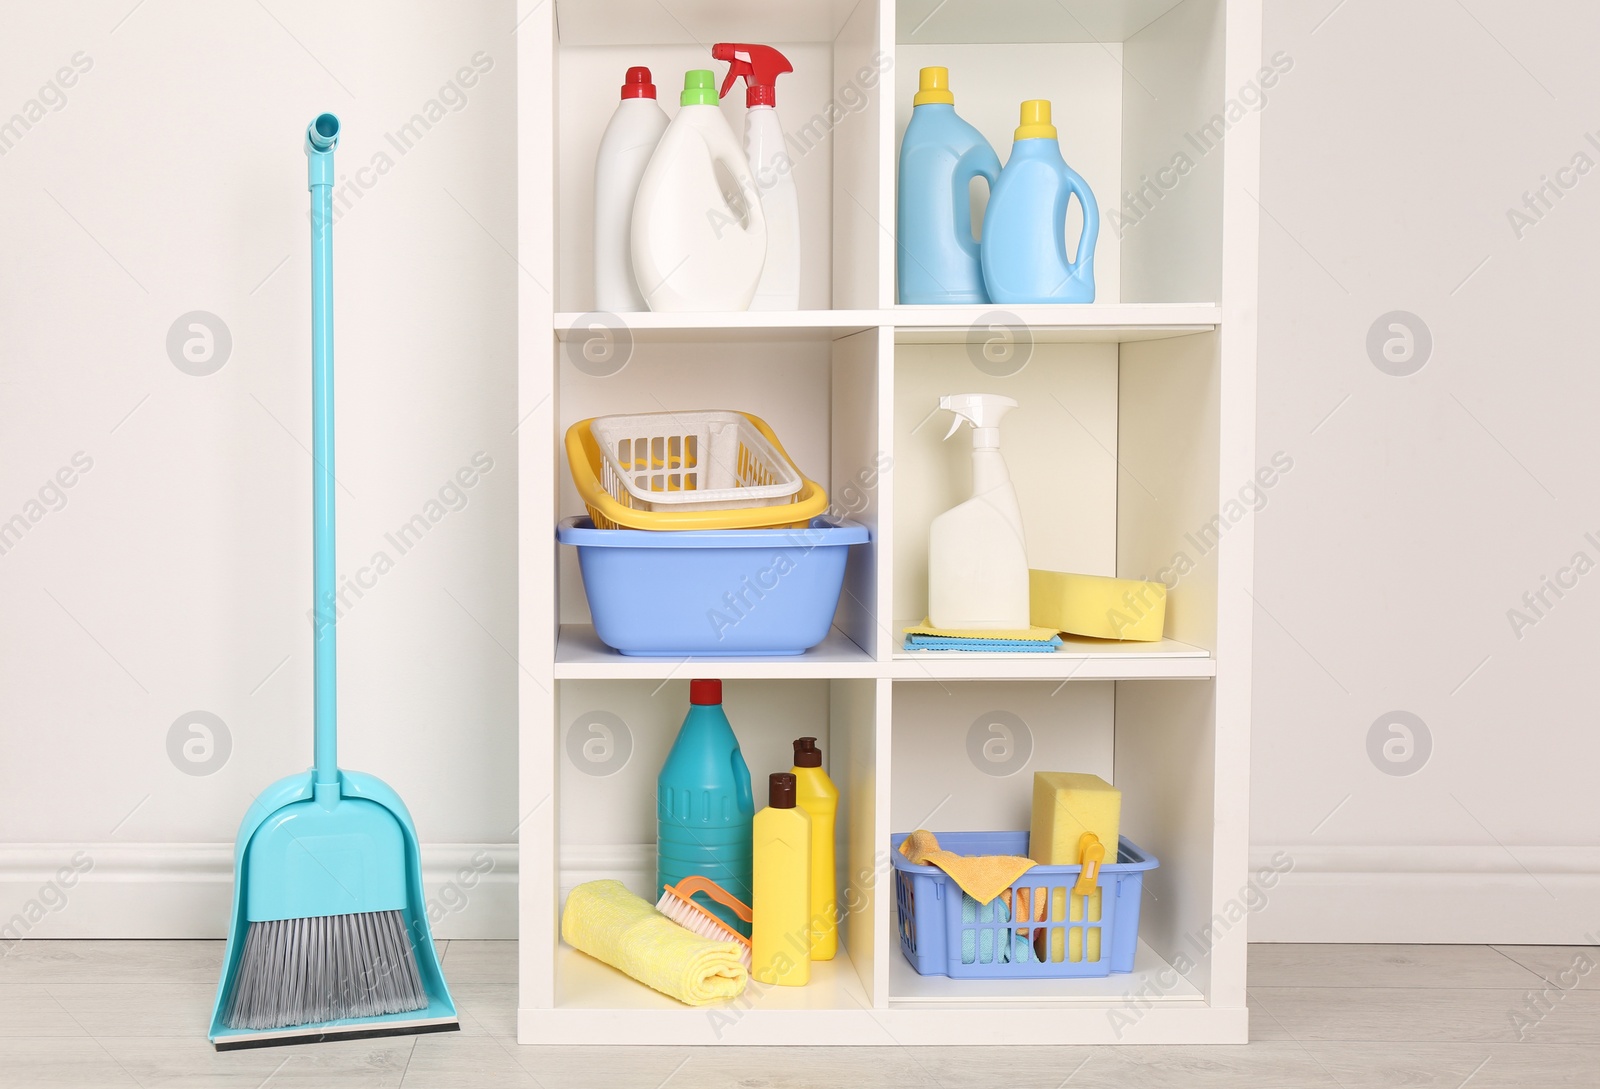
x,y
1469,895
1434,895
185,890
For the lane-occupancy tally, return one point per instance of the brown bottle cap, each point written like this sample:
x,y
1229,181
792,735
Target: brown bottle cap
x,y
806,753
780,790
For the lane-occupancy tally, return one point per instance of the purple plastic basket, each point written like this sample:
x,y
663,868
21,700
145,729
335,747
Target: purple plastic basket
x,y
938,921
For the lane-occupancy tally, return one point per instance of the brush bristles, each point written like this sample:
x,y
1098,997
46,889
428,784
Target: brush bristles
x,y
697,920
307,971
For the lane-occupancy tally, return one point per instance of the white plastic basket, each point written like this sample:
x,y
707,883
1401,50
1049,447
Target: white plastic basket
x,y
689,461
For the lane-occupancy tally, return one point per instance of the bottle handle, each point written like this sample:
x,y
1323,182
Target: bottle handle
x,y
1091,220
750,198
979,161
741,780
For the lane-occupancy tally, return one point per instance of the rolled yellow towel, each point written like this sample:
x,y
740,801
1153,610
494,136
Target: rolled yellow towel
x,y
606,921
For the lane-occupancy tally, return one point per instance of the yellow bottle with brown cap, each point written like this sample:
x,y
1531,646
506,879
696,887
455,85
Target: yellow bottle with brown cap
x,y
816,794
780,930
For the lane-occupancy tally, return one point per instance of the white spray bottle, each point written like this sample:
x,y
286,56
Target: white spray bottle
x,y
760,66
977,563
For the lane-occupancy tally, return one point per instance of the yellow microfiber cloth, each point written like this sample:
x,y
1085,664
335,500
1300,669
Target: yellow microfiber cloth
x,y
982,877
1009,635
606,921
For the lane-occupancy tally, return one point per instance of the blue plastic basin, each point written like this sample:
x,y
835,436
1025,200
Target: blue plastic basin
x,y
712,592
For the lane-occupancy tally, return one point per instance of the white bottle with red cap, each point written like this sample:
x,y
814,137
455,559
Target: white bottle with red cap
x,y
760,66
625,149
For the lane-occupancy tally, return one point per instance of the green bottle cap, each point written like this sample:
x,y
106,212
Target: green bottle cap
x,y
699,88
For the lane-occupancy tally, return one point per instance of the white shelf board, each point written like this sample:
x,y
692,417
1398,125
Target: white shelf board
x,y
654,327
581,656
1095,323
1075,659
1153,979
696,22
957,22
1112,323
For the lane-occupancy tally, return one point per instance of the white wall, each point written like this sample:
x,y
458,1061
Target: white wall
x,y
1420,509
176,577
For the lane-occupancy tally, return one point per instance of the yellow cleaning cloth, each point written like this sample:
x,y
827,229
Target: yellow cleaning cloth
x,y
606,921
982,877
1014,635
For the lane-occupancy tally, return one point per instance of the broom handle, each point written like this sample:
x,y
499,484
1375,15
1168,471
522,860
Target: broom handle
x,y
322,136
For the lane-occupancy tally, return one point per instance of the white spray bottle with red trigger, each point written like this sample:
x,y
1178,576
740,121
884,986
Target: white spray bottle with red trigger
x,y
977,562
760,66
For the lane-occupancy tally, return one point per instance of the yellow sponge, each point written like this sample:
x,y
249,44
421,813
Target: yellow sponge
x,y
1097,606
1065,806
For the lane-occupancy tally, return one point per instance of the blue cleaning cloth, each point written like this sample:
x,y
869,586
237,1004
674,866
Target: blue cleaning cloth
x,y
1009,646
978,944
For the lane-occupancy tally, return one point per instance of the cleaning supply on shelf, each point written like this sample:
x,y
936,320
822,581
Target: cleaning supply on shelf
x,y
977,563
1065,806
780,936
1097,606
1054,922
760,66
611,924
630,138
677,903
701,460
329,934
816,794
713,593
982,877
612,505
925,636
1024,250
704,806
938,258
699,236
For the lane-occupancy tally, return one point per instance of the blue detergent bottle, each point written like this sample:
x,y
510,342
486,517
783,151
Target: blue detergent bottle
x,y
939,157
704,806
1025,226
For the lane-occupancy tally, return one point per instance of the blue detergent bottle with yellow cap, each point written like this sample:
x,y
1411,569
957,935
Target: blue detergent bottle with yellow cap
x,y
939,157
1024,250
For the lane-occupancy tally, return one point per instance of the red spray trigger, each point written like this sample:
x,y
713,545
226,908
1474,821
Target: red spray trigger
x,y
759,65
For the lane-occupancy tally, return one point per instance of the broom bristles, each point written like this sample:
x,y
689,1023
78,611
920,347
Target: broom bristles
x,y
307,971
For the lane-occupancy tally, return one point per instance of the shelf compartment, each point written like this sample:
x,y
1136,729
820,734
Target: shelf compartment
x,y
1141,107
581,656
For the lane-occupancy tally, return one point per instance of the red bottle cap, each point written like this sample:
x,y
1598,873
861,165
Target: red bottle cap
x,y
637,84
705,692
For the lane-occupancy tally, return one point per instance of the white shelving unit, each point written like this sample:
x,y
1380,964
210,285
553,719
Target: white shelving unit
x,y
1136,431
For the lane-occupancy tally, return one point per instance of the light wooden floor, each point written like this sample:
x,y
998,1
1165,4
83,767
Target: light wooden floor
x,y
91,1014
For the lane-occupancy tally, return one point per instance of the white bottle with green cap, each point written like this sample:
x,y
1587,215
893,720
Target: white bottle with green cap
x,y
699,238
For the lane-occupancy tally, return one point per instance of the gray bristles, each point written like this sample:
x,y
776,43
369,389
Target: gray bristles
x,y
307,971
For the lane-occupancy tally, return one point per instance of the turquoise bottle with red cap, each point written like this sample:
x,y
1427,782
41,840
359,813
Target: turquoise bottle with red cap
x,y
1025,226
704,806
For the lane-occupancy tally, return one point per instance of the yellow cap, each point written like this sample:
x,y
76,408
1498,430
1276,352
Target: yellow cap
x,y
934,87
1035,121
